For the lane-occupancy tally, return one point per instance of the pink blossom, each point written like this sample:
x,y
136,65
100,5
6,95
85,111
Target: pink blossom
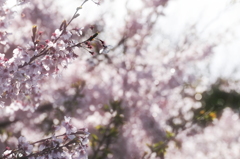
x,y
56,34
69,127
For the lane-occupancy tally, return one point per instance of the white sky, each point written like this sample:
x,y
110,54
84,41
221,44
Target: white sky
x,y
213,18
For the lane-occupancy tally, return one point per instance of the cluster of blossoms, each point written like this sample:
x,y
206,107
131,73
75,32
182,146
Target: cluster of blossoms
x,y
70,145
21,73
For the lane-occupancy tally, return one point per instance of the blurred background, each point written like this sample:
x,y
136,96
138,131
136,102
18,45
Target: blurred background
x,y
167,88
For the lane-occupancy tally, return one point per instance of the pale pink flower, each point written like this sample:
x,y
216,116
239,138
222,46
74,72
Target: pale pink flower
x,y
56,34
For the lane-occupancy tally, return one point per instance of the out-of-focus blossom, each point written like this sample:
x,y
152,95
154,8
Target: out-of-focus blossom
x,y
24,145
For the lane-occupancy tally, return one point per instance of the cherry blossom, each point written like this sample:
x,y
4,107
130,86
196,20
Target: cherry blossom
x,y
72,72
